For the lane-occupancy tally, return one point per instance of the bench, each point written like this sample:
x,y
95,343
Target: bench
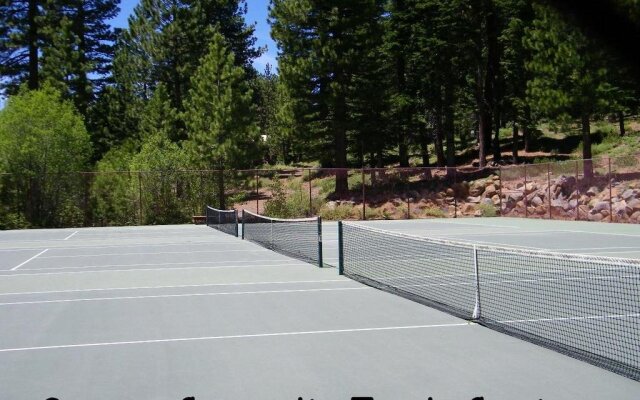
x,y
199,219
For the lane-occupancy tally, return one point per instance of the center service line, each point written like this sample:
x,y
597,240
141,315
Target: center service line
x,y
70,236
36,256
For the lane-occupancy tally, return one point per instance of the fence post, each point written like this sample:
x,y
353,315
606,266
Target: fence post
x,y
549,188
455,197
577,179
310,196
500,188
364,206
610,193
257,194
524,191
140,197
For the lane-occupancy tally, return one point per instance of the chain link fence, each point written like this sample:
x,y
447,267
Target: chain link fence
x,y
606,189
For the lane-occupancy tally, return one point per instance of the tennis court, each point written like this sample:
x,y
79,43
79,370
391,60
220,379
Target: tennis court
x,y
166,312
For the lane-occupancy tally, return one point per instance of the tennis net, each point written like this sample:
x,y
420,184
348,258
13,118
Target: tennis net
x,y
223,220
298,238
587,307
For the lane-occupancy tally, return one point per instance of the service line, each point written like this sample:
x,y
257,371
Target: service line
x,y
36,256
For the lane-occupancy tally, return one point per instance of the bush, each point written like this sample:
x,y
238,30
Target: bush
x,y
287,202
487,210
434,212
341,212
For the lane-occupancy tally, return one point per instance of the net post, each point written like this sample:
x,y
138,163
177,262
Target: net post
x,y
320,263
340,250
243,219
476,309
236,215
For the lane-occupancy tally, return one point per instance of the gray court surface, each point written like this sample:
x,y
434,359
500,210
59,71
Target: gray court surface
x,y
166,312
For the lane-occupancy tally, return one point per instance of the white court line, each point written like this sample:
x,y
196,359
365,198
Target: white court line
x,y
167,296
20,265
129,245
155,264
261,250
258,335
345,280
152,269
70,236
588,317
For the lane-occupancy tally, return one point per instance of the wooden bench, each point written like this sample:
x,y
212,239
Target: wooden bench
x,y
199,219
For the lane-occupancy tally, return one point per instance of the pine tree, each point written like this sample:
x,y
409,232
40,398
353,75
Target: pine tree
x,y
219,115
21,36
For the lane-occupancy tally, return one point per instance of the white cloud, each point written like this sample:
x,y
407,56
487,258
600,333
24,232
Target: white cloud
x,y
261,62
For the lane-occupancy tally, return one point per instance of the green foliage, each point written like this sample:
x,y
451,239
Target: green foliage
x,y
219,114
487,210
112,192
339,212
287,202
161,183
42,137
434,212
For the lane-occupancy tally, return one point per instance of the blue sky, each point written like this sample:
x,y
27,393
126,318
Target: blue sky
x,y
257,13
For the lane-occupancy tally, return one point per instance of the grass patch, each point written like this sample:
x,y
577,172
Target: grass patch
x,y
433,212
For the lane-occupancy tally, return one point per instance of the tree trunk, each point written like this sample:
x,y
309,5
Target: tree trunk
x,y
483,128
424,145
497,154
221,198
439,136
340,137
403,120
32,35
449,125
526,130
586,146
621,123
514,144
83,91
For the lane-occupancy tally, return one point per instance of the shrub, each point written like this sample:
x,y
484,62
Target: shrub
x,y
487,210
434,212
340,212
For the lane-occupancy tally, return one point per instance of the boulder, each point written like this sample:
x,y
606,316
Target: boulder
x,y
468,208
486,201
541,210
633,205
636,216
571,205
628,194
595,217
601,205
592,191
516,196
490,191
495,199
536,201
450,192
331,205
477,213
472,199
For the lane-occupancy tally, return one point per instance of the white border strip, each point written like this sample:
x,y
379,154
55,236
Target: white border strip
x,y
32,258
258,335
311,219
